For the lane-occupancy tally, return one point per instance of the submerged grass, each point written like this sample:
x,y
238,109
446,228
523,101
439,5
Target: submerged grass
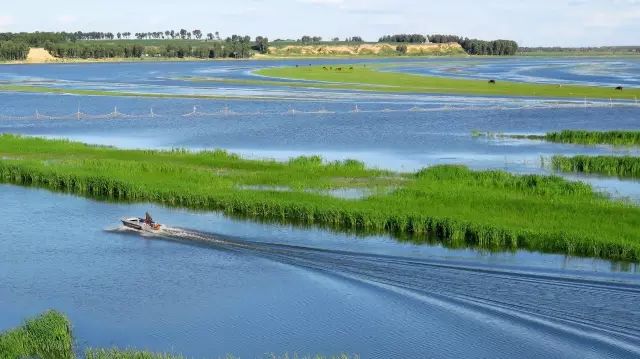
x,y
490,209
91,92
580,137
135,354
369,78
127,354
47,336
621,166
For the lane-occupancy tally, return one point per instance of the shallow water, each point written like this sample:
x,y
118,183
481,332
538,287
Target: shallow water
x,y
262,288
608,71
235,286
399,139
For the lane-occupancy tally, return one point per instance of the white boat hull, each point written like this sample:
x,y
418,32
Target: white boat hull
x,y
139,224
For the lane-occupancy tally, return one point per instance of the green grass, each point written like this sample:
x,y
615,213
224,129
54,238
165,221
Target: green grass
x,y
619,138
371,79
580,137
490,209
621,166
47,336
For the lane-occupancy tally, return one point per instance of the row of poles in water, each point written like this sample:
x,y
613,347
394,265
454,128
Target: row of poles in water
x,y
226,111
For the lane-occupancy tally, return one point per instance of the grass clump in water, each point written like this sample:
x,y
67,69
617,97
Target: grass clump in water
x,y
581,137
620,138
489,209
621,166
47,336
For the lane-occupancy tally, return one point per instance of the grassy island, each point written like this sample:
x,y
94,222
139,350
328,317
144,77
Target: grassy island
x,y
359,77
491,209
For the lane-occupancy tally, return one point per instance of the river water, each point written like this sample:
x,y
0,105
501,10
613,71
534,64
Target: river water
x,y
222,285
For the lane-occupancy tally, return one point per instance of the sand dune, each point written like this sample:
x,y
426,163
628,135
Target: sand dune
x,y
38,55
364,49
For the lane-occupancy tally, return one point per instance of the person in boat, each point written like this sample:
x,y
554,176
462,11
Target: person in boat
x,y
147,218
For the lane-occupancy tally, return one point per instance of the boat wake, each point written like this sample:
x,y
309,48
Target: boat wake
x,y
588,309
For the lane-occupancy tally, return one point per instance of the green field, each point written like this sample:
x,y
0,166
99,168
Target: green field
x,y
489,209
359,77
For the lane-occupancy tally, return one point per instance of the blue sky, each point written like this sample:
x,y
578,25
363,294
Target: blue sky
x,y
530,22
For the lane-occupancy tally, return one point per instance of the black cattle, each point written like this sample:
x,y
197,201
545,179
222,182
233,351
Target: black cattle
x,y
619,88
493,82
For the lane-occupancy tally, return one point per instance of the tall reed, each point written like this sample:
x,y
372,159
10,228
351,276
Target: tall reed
x,y
46,336
620,138
622,166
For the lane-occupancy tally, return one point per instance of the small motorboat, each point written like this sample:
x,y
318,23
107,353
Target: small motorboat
x,y
142,224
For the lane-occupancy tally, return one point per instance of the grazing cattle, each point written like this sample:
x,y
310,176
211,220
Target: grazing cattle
x,y
351,68
296,65
619,88
338,68
493,82
324,68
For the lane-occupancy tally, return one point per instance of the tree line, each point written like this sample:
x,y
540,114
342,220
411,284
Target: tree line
x,y
11,51
410,38
235,46
479,47
470,46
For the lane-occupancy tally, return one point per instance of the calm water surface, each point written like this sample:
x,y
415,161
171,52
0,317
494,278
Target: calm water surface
x,y
270,288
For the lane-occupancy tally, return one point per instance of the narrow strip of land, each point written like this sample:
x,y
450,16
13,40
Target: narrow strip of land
x,y
360,77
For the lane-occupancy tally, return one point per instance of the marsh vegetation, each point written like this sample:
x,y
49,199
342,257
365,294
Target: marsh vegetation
x,y
491,209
